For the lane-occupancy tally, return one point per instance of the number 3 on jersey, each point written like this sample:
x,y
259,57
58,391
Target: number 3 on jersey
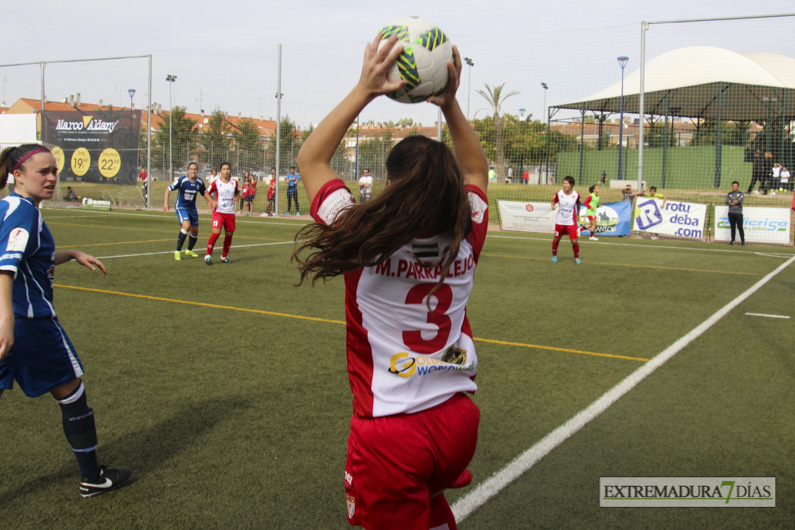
x,y
444,297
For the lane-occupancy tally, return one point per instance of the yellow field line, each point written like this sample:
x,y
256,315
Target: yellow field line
x,y
633,266
200,304
552,348
314,319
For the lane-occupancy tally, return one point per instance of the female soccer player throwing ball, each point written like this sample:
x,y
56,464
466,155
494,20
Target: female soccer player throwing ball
x,y
34,348
408,257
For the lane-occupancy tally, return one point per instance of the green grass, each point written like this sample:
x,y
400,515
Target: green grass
x,y
224,388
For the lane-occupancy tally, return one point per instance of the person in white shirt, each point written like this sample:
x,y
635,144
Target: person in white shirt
x,y
365,186
567,201
226,191
408,257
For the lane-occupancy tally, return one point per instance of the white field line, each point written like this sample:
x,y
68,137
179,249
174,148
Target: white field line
x,y
521,464
764,315
602,242
172,251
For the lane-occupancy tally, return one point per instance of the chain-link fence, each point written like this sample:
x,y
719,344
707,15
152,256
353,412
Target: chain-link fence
x,y
520,92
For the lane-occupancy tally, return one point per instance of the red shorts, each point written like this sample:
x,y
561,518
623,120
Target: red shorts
x,y
225,220
396,463
591,217
570,230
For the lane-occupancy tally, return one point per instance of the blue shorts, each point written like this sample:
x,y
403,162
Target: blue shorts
x,y
42,357
184,214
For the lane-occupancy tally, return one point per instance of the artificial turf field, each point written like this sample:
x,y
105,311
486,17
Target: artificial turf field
x,y
224,388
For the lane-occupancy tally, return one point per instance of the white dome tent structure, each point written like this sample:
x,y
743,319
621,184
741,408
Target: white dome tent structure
x,y
706,83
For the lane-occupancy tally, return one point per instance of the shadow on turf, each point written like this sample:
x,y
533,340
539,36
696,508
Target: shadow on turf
x,y
144,451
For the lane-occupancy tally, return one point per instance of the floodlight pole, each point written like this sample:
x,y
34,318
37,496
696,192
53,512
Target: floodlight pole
x,y
622,61
549,142
170,78
131,92
469,63
521,163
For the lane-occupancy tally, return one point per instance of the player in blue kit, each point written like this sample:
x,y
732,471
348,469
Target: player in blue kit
x,y
34,348
189,186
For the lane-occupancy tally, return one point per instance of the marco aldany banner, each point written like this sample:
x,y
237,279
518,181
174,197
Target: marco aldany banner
x,y
675,218
99,146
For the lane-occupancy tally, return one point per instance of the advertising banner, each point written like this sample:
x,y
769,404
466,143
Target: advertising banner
x,y
681,219
99,146
527,216
761,225
612,219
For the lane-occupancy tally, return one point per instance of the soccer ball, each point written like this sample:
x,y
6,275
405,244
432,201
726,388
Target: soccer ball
x,y
423,63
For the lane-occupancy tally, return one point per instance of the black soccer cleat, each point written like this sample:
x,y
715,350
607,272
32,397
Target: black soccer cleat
x,y
109,479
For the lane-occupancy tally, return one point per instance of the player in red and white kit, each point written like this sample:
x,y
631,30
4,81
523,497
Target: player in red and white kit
x,y
408,257
568,203
226,191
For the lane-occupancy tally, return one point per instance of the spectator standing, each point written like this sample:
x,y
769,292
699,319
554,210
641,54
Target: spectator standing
x,y
757,172
248,202
365,186
627,193
767,173
734,200
786,184
652,194
292,191
775,178
526,177
272,194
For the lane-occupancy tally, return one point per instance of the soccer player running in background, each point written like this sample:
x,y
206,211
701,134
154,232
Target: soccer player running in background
x,y
408,257
592,203
34,348
187,187
227,191
568,203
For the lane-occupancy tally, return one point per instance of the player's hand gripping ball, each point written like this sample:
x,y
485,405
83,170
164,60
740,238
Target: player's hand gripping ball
x,y
423,63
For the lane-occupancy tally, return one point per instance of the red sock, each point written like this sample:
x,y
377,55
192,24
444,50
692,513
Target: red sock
x,y
211,243
555,247
576,248
441,513
227,244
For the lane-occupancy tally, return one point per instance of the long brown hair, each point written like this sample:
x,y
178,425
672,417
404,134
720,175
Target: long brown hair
x,y
13,158
425,196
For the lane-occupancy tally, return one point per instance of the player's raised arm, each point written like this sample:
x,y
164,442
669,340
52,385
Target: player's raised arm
x,y
468,150
317,151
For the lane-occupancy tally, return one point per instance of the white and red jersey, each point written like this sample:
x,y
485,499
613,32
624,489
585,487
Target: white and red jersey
x,y
568,207
402,356
225,193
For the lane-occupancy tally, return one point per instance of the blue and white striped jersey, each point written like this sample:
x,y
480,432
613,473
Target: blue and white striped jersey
x,y
28,250
186,197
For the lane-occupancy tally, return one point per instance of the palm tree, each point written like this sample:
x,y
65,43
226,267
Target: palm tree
x,y
496,98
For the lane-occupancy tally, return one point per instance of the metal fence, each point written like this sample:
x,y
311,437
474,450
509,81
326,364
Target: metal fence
x,y
514,90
